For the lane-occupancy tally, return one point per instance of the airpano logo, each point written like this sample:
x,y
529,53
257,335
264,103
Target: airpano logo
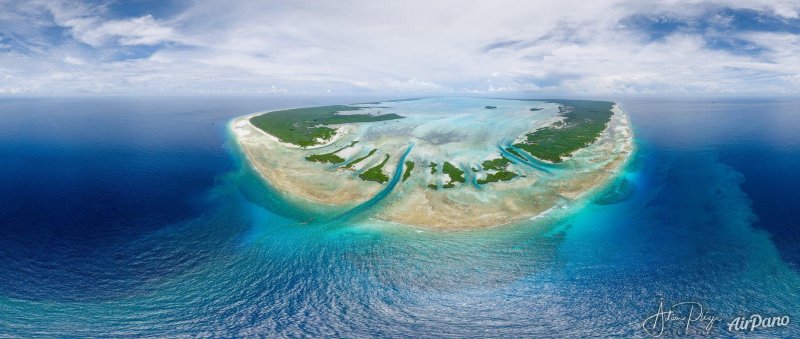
x,y
693,318
756,321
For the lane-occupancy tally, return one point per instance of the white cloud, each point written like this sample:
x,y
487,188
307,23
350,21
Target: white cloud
x,y
87,25
17,89
794,80
407,85
68,59
415,46
137,31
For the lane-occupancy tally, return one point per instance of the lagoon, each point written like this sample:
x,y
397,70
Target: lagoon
x,y
132,216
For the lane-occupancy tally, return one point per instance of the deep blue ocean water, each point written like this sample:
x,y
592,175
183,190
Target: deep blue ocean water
x,y
137,216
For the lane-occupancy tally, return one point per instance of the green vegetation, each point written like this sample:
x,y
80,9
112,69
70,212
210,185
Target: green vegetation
x,y
499,176
362,158
514,152
409,168
456,174
536,109
376,173
303,126
489,107
499,165
584,121
329,157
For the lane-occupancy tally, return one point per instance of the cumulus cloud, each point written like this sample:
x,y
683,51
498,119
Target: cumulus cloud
x,y
274,47
136,31
408,85
794,80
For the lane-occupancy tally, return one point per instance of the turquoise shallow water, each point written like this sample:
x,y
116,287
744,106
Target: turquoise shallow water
x,y
132,217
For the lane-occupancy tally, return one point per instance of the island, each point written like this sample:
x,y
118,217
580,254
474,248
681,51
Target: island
x,y
448,162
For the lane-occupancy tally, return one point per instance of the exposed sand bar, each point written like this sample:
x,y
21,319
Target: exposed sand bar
x,y
412,202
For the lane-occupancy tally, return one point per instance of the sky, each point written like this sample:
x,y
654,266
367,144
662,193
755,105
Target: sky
x,y
377,47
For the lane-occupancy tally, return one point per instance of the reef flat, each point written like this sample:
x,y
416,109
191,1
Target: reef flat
x,y
439,162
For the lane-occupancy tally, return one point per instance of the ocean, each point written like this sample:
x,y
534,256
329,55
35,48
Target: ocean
x,y
139,217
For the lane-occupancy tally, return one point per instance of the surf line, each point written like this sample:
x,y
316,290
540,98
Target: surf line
x,y
398,173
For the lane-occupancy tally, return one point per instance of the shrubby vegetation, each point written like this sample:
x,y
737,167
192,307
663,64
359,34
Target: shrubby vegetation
x,y
499,165
409,168
583,123
352,163
376,173
329,157
514,152
455,174
304,126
